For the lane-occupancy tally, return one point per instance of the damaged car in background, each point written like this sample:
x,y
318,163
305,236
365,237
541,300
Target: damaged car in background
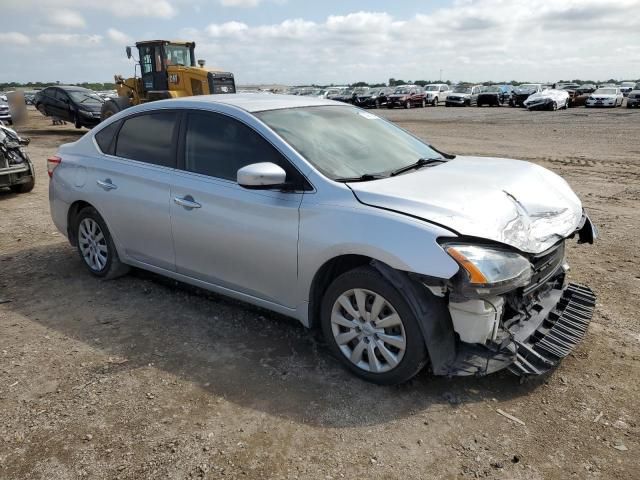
x,y
16,169
551,99
404,256
522,92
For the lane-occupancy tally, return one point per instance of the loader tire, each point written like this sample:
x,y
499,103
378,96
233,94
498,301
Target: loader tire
x,y
113,106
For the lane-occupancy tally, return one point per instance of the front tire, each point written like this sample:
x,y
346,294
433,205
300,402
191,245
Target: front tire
x,y
96,247
435,102
371,329
113,106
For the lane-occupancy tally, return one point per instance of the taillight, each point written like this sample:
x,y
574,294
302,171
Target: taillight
x,y
52,163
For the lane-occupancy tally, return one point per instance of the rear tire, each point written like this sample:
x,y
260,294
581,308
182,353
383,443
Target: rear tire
x,y
113,106
95,246
397,348
435,102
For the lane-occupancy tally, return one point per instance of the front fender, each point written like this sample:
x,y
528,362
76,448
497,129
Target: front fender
x,y
401,242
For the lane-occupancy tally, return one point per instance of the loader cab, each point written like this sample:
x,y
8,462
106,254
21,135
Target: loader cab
x,y
155,56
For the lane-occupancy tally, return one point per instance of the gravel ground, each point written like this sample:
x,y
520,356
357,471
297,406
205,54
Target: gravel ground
x,y
144,378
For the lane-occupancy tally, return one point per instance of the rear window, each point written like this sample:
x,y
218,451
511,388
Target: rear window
x,y
148,138
105,138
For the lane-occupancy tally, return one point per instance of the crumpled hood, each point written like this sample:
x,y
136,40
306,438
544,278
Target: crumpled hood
x,y
508,201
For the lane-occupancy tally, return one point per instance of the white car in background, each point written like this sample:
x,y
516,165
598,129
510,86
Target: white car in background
x,y
548,100
605,97
436,92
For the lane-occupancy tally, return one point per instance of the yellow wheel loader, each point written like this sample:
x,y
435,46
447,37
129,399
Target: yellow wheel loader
x,y
167,70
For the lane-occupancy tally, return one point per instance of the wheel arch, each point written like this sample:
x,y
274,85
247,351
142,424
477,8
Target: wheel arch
x,y
72,213
326,274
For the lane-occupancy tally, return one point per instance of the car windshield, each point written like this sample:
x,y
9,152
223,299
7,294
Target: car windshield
x,y
345,142
462,89
85,97
401,90
432,88
177,55
605,91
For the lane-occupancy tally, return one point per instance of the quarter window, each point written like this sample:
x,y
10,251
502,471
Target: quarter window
x,y
218,146
148,138
105,138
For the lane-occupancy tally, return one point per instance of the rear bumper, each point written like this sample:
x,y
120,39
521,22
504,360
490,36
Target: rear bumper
x,y
535,346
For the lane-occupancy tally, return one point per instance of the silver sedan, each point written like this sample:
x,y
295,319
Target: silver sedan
x,y
403,255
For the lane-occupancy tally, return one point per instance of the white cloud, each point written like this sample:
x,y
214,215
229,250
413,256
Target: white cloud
x,y
119,37
470,40
14,38
227,29
68,39
240,3
66,18
118,8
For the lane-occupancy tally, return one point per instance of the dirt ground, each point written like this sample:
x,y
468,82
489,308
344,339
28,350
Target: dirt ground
x,y
143,378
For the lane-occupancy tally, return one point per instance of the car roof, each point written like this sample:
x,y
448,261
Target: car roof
x,y
251,102
71,88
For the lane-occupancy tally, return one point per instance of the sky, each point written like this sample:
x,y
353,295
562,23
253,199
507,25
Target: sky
x,y
299,42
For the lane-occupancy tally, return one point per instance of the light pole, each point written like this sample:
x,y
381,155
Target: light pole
x,y
440,74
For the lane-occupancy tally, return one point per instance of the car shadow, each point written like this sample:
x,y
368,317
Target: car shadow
x,y
249,356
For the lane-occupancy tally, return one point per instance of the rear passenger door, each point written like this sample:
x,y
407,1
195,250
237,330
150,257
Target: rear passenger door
x,y
239,239
132,185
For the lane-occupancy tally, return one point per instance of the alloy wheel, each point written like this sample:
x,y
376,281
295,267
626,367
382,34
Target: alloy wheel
x,y
93,244
368,330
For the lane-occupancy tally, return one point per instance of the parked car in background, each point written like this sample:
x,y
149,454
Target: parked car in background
x,y
16,170
522,92
5,112
436,93
633,99
586,88
331,92
345,96
492,95
605,97
77,105
374,98
407,96
550,99
403,256
463,96
626,87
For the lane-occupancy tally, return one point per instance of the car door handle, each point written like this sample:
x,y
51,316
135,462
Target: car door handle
x,y
187,202
106,184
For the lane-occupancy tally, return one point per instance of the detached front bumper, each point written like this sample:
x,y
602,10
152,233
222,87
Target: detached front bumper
x,y
558,323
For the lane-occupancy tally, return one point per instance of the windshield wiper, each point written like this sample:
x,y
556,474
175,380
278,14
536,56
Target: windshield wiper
x,y
362,178
422,162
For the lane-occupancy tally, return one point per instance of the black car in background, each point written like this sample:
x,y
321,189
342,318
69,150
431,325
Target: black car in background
x,y
522,92
633,99
77,105
374,98
494,95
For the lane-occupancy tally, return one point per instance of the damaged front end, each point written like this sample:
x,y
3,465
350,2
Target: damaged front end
x,y
16,169
514,310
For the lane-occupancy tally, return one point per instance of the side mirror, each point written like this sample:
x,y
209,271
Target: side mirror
x,y
261,176
128,50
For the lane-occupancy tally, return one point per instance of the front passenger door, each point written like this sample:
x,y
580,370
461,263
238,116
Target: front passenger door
x,y
239,239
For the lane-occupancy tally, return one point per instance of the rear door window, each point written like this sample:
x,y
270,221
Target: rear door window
x,y
149,138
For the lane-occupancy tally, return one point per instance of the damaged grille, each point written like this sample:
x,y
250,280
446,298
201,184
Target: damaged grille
x,y
558,334
545,266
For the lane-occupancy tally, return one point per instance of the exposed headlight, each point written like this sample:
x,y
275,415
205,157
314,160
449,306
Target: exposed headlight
x,y
489,270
